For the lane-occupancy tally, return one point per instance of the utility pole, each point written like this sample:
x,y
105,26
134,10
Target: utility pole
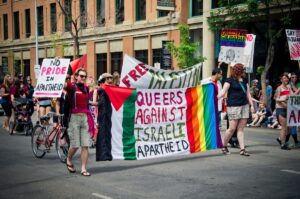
x,y
36,66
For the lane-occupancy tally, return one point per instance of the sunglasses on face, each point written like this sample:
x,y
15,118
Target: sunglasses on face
x,y
82,76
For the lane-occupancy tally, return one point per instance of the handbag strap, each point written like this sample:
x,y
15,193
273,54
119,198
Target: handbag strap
x,y
244,90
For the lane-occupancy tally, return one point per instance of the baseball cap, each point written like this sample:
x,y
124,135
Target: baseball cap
x,y
103,76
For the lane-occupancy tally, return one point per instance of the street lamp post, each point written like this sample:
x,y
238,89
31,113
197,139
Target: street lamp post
x,y
36,66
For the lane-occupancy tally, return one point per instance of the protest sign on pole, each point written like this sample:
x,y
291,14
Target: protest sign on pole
x,y
136,74
249,52
293,111
51,78
293,38
232,46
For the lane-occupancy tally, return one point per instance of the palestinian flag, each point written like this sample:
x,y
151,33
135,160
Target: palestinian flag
x,y
156,123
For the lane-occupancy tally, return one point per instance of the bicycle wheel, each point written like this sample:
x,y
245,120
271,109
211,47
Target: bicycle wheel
x,y
28,129
62,146
38,140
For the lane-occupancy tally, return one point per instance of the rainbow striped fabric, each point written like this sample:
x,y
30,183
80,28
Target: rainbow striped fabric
x,y
158,123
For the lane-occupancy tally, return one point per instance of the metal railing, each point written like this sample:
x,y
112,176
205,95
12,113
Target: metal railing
x,y
166,3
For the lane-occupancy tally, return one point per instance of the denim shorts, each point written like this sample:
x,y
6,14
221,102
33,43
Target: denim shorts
x,y
45,103
78,130
281,111
238,112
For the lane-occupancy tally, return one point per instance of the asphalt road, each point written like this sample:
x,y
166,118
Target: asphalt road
x,y
268,173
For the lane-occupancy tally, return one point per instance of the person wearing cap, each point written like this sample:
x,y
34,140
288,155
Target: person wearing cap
x,y
238,101
105,78
101,99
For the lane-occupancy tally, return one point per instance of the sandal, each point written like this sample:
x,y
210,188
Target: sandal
x,y
70,168
85,173
225,150
244,152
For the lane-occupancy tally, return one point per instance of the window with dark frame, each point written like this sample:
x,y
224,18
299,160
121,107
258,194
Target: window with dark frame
x,y
116,61
163,13
119,11
140,10
4,1
83,13
100,12
197,8
17,66
53,17
40,20
26,64
27,23
5,65
5,27
157,56
16,25
142,55
101,63
68,10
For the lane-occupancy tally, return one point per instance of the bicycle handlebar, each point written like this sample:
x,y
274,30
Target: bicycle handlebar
x,y
51,114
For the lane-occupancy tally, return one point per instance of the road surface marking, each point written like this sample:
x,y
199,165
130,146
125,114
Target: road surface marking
x,y
291,171
101,196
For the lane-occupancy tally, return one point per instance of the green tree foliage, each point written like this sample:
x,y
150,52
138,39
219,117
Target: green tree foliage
x,y
237,13
185,52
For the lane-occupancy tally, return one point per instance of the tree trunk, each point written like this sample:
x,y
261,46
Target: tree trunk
x,y
76,46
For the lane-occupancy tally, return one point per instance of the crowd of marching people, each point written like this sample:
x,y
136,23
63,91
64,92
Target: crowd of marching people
x,y
272,114
82,103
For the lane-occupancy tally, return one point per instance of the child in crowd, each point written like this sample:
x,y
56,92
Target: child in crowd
x,y
272,121
259,116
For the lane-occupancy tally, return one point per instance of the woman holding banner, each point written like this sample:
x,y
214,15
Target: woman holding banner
x,y
238,100
81,122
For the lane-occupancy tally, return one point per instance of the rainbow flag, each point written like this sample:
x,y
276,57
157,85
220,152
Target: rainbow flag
x,y
156,123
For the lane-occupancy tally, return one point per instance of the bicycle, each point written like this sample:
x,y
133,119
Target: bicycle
x,y
42,138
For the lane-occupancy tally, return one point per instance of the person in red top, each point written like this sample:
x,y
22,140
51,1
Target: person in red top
x,y
80,121
281,96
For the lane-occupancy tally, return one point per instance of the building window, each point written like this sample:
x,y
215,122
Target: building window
x,y
119,11
83,13
101,63
100,12
5,27
27,23
5,65
140,9
16,25
26,64
40,20
53,17
68,16
196,8
166,61
156,56
17,66
142,55
163,13
4,1
116,61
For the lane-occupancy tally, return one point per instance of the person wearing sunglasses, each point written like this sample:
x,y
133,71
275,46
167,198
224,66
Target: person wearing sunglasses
x,y
80,122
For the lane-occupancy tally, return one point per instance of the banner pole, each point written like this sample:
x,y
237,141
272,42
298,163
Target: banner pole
x,y
228,71
249,79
